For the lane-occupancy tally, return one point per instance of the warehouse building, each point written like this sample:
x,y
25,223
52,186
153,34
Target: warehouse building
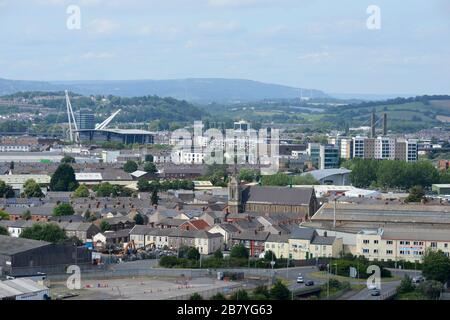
x,y
23,289
23,257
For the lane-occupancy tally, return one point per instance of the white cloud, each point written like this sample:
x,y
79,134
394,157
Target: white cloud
x,y
103,26
232,3
315,57
97,55
163,31
219,27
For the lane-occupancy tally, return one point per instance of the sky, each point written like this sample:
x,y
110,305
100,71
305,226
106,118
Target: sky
x,y
320,44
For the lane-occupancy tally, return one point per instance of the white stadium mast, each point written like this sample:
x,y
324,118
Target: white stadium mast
x,y
73,136
105,123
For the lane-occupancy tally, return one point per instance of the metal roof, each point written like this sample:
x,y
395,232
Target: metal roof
x,y
10,245
321,174
21,286
277,195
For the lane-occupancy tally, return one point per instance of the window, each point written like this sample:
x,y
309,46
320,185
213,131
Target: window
x,y
365,251
390,242
366,241
388,251
375,241
433,244
375,251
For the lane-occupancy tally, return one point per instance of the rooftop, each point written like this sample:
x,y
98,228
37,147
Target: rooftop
x,y
10,245
321,174
278,195
11,288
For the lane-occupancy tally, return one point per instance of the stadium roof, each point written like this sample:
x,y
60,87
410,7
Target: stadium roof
x,y
321,174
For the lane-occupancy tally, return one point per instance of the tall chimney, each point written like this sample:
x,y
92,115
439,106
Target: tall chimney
x,y
385,129
372,125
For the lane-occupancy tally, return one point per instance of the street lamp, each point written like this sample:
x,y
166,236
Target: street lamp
x,y
328,281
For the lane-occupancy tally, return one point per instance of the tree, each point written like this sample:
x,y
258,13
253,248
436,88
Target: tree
x,y
261,293
431,289
130,166
406,285
3,231
81,192
280,292
31,189
150,168
26,215
269,256
364,172
64,179
105,190
143,185
240,295
138,219
305,180
105,226
64,209
248,175
68,159
239,252
154,198
6,191
196,296
218,296
416,194
436,266
218,254
193,254
4,215
278,179
45,232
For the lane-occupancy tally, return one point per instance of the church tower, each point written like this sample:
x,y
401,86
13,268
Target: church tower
x,y
234,195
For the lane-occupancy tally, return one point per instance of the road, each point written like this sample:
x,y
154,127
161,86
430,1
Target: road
x,y
386,288
292,274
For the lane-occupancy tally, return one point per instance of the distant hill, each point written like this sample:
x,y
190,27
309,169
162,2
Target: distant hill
x,y
193,90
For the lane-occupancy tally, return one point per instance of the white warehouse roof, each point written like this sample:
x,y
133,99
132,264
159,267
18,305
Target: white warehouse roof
x,y
18,287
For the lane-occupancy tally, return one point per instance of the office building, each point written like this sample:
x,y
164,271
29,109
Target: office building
x,y
85,120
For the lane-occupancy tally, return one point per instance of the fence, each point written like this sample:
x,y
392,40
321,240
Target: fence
x,y
134,272
388,294
207,294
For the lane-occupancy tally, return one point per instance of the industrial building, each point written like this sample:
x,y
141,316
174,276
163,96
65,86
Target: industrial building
x,y
23,257
382,229
23,289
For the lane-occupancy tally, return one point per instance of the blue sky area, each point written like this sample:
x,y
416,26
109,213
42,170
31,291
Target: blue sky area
x,y
322,44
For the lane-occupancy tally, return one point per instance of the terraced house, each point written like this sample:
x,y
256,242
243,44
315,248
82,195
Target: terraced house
x,y
303,244
408,244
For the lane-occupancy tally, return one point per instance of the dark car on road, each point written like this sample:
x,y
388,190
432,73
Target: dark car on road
x,y
375,293
309,283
